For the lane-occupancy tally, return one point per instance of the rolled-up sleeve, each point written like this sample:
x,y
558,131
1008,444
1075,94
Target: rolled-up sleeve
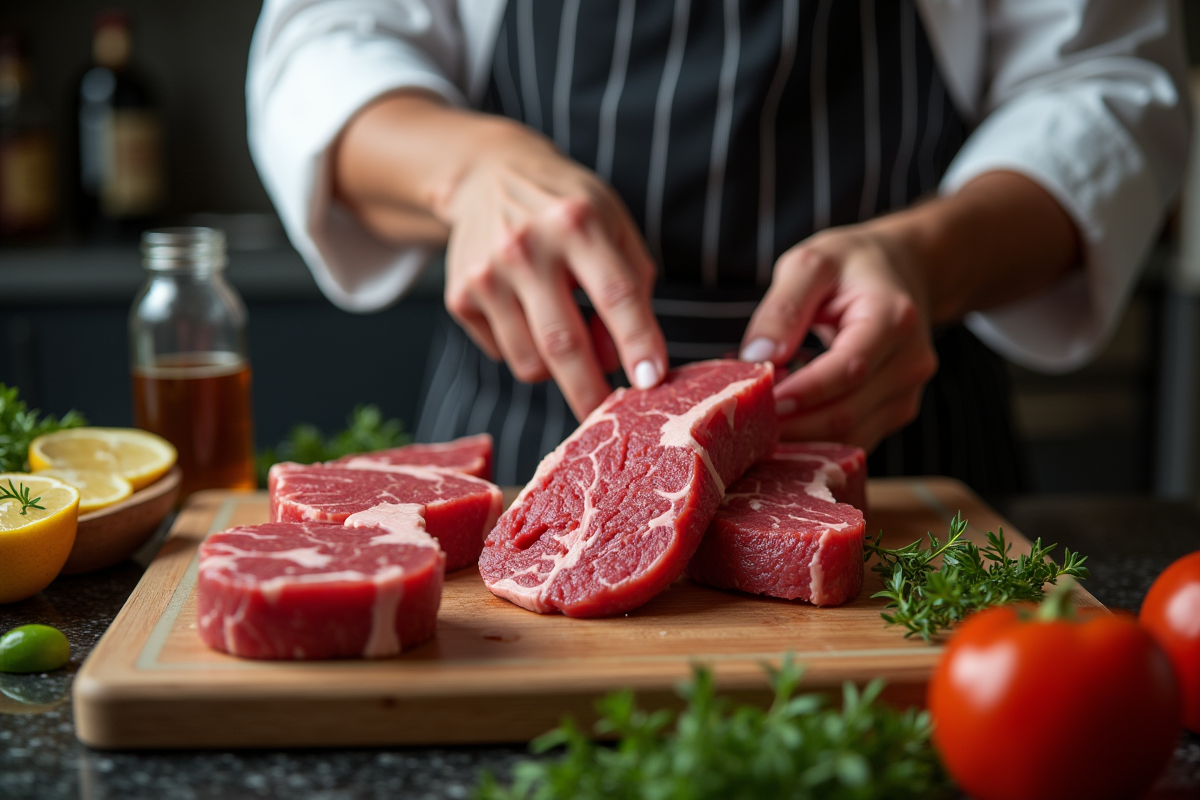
x,y
313,66
1087,99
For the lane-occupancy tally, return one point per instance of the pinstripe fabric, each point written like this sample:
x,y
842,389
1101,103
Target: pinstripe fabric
x,y
613,89
819,117
484,403
722,122
447,350
562,75
872,149
908,105
661,132
527,64
506,100
732,130
789,31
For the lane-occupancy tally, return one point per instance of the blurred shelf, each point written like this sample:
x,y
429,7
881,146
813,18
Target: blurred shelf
x,y
78,275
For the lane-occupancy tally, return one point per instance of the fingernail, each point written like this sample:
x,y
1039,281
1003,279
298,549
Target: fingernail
x,y
784,407
645,375
761,349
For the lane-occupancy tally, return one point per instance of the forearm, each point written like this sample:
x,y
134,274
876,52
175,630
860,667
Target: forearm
x,y
398,162
1000,238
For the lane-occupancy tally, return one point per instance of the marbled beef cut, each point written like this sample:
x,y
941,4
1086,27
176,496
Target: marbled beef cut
x,y
315,590
614,513
458,509
845,474
470,454
787,528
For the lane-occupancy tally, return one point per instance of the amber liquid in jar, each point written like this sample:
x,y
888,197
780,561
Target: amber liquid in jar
x,y
200,402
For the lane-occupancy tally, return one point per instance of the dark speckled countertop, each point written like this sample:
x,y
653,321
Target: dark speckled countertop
x,y
1129,540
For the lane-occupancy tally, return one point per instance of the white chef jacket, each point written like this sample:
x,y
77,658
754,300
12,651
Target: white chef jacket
x,y
1084,97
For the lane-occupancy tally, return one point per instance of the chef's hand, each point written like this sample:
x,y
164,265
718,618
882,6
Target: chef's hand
x,y
872,291
528,225
854,288
525,226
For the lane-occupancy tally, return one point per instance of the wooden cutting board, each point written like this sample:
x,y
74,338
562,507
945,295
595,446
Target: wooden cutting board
x,y
494,672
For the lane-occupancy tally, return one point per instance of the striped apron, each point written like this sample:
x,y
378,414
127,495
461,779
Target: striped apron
x,y
732,130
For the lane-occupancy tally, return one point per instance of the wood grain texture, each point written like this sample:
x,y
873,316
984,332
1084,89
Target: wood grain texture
x,y
494,672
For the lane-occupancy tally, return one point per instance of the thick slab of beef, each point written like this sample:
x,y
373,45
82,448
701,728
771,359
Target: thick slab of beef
x,y
458,509
316,590
614,513
470,454
846,473
781,530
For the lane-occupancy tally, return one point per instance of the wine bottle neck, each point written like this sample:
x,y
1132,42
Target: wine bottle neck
x,y
112,47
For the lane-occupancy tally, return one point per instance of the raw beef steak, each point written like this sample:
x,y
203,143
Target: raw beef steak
x,y
845,475
312,590
470,454
458,509
614,513
781,530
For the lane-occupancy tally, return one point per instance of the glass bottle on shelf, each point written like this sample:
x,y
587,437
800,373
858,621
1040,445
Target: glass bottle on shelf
x,y
190,365
118,178
27,190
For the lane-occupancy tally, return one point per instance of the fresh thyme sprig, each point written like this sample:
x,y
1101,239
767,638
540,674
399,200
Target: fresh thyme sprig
x,y
20,493
798,748
929,599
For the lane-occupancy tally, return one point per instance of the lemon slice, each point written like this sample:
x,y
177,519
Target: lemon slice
x,y
97,488
34,545
137,456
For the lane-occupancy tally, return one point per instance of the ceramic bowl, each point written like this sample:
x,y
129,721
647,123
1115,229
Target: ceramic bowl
x,y
110,535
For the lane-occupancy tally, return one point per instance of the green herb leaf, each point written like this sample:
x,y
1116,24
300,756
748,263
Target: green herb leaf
x,y
20,426
366,430
20,493
798,748
928,600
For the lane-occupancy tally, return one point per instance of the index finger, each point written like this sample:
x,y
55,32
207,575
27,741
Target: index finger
x,y
803,279
618,281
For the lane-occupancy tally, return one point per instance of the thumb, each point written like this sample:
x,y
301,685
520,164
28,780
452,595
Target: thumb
x,y
804,279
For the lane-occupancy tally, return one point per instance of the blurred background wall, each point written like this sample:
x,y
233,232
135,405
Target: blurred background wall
x,y
1125,423
64,296
193,53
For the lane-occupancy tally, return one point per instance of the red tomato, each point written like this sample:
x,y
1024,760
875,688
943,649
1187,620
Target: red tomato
x,y
1171,612
1026,708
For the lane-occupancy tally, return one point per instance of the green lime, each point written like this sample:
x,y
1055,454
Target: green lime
x,y
33,648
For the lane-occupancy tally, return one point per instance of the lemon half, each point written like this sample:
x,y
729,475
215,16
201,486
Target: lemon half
x,y
137,456
34,545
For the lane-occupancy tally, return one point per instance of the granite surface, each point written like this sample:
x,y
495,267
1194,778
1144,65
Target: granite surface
x,y
1128,540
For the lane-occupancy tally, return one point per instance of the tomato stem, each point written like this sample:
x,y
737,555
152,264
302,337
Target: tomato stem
x,y
1059,604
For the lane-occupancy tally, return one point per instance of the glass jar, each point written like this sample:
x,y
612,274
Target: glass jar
x,y
190,365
